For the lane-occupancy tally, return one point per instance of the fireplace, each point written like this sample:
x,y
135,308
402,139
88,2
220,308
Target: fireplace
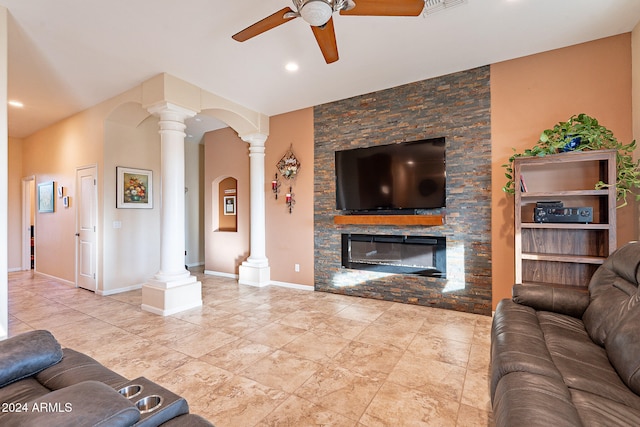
x,y
421,255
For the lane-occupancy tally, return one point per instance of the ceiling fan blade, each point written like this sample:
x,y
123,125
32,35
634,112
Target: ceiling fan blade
x,y
386,8
326,38
266,24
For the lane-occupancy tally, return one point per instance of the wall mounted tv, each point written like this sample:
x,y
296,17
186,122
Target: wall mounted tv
x,y
396,177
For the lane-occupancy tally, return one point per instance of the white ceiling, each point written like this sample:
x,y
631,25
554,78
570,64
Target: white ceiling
x,y
68,55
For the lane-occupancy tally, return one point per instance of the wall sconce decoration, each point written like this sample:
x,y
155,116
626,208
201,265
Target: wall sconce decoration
x,y
275,186
290,200
288,165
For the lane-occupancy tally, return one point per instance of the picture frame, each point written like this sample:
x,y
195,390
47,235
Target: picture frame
x,y
229,205
46,199
134,188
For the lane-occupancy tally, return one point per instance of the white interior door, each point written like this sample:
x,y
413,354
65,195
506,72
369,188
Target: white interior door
x,y
86,230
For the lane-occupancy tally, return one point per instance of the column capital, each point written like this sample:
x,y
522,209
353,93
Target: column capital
x,y
255,139
168,111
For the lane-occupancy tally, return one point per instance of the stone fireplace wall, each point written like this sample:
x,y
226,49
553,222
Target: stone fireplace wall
x,y
456,106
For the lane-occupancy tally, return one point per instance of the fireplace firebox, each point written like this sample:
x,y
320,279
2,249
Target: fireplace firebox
x,y
421,255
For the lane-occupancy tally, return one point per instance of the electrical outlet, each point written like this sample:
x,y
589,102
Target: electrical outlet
x,y
296,268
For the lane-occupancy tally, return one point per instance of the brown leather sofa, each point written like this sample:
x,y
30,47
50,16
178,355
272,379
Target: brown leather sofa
x,y
42,384
562,357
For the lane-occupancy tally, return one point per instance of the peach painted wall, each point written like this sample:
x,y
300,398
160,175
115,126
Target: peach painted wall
x,y
533,93
53,154
14,193
226,155
290,235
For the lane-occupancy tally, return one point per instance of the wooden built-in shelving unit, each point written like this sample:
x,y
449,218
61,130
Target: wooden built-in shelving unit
x,y
564,254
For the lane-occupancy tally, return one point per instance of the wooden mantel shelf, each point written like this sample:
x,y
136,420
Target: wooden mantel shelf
x,y
431,220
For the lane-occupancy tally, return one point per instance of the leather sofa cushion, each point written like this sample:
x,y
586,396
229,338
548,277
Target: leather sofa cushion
x,y
27,354
583,364
77,367
623,348
90,403
614,291
20,392
596,411
517,344
526,399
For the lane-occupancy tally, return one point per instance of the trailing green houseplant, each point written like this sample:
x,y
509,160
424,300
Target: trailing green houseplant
x,y
580,133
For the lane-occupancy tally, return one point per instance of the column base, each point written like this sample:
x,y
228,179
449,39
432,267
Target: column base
x,y
167,298
254,275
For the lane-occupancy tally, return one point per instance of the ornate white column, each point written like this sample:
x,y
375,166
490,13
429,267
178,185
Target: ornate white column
x,y
255,270
173,288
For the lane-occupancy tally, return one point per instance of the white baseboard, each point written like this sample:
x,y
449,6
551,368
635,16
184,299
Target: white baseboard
x,y
292,285
118,290
220,274
15,269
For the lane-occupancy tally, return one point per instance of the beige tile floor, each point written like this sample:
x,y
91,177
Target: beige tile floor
x,y
279,357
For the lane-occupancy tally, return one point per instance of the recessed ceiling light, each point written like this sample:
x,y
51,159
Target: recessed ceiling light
x,y
16,104
291,66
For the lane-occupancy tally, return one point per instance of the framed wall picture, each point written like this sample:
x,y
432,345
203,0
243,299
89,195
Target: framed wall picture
x,y
134,188
46,200
229,205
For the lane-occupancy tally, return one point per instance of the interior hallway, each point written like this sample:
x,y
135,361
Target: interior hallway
x,y
279,357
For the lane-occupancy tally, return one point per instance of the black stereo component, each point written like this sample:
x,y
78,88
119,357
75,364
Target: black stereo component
x,y
550,204
583,214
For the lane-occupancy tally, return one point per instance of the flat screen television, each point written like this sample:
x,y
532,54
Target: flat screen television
x,y
395,177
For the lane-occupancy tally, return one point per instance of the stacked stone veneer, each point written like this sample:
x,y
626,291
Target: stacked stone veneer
x,y
455,106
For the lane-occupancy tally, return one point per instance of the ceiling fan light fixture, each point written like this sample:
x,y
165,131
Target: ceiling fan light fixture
x,y
316,12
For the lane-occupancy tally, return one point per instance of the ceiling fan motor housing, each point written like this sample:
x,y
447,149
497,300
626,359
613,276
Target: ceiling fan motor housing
x,y
316,12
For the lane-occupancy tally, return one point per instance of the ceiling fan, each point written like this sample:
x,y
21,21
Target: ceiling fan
x,y
318,14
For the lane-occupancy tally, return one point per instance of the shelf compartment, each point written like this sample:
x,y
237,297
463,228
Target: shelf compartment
x,y
555,241
562,273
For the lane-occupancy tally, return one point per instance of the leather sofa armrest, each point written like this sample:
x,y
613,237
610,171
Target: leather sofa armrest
x,y
27,354
572,302
90,403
